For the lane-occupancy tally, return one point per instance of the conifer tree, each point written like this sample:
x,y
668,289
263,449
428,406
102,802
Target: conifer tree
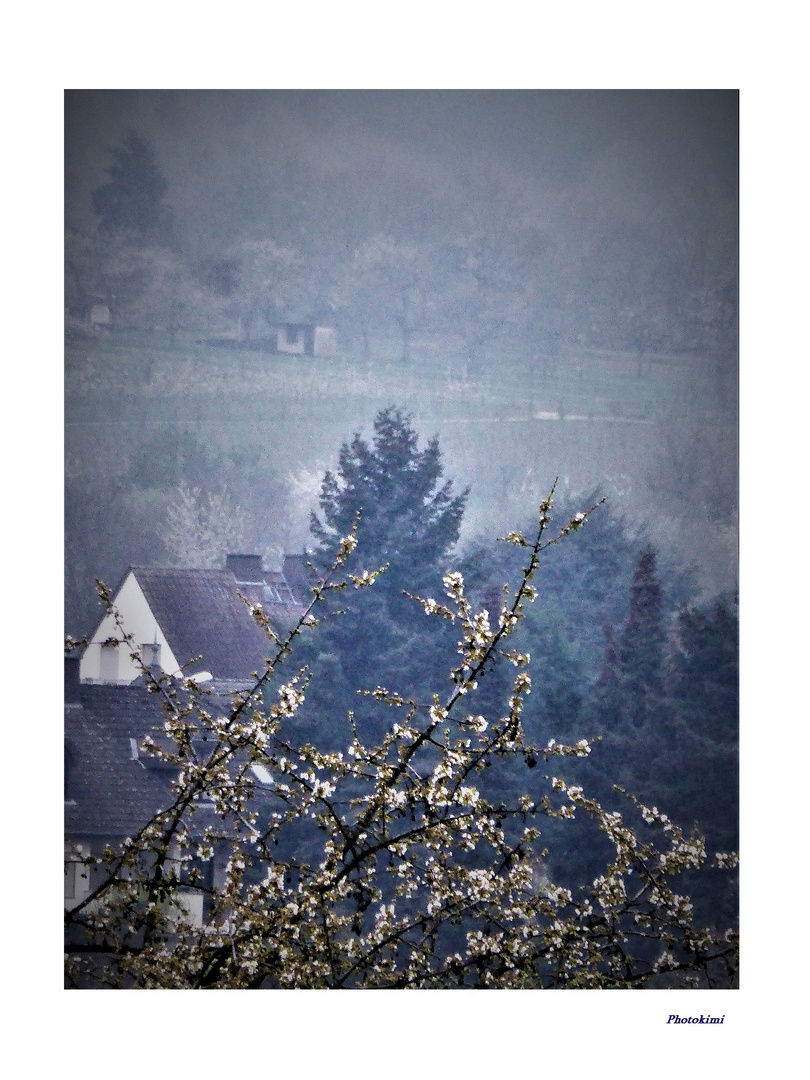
x,y
132,202
409,519
704,676
608,700
641,647
409,523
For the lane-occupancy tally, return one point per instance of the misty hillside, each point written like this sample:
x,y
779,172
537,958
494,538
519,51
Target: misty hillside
x,y
545,280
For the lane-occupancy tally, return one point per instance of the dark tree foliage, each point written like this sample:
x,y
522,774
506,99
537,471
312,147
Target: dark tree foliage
x,y
607,696
641,647
612,657
666,706
703,706
627,695
704,674
592,576
410,520
409,523
133,199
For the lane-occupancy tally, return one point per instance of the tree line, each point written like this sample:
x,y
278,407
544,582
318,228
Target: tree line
x,y
617,652
477,269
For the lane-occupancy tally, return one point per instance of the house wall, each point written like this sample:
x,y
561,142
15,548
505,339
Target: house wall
x,y
117,666
80,879
77,875
325,343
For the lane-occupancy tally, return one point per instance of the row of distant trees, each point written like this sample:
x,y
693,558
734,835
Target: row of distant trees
x,y
485,274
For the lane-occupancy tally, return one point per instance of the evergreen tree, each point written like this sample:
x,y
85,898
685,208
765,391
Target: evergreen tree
x,y
641,647
704,670
704,707
558,681
132,201
667,711
608,700
409,523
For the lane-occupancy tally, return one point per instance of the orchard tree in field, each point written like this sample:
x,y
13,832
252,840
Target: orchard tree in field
x,y
382,864
133,200
152,289
388,287
486,294
270,285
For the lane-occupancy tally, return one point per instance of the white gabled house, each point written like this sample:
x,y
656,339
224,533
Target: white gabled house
x,y
186,621
113,664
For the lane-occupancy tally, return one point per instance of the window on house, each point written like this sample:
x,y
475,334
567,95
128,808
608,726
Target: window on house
x,y
77,873
109,664
70,880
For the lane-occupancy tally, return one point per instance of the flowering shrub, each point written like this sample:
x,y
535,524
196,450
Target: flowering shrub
x,y
393,863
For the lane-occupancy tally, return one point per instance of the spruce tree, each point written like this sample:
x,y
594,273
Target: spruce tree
x,y
409,523
641,646
608,701
132,202
704,676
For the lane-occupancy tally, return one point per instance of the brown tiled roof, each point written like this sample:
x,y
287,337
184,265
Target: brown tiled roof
x,y
201,614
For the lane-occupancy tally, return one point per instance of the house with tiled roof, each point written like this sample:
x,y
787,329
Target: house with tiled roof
x,y
182,621
109,793
191,621
113,786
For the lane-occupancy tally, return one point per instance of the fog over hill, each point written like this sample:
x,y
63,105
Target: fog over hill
x,y
545,279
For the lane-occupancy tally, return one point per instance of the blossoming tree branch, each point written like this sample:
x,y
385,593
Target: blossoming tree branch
x,y
391,862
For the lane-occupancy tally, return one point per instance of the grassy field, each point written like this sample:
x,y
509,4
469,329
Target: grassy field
x,y
131,371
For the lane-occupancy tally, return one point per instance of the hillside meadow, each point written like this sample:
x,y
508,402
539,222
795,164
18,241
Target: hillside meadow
x,y
656,434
